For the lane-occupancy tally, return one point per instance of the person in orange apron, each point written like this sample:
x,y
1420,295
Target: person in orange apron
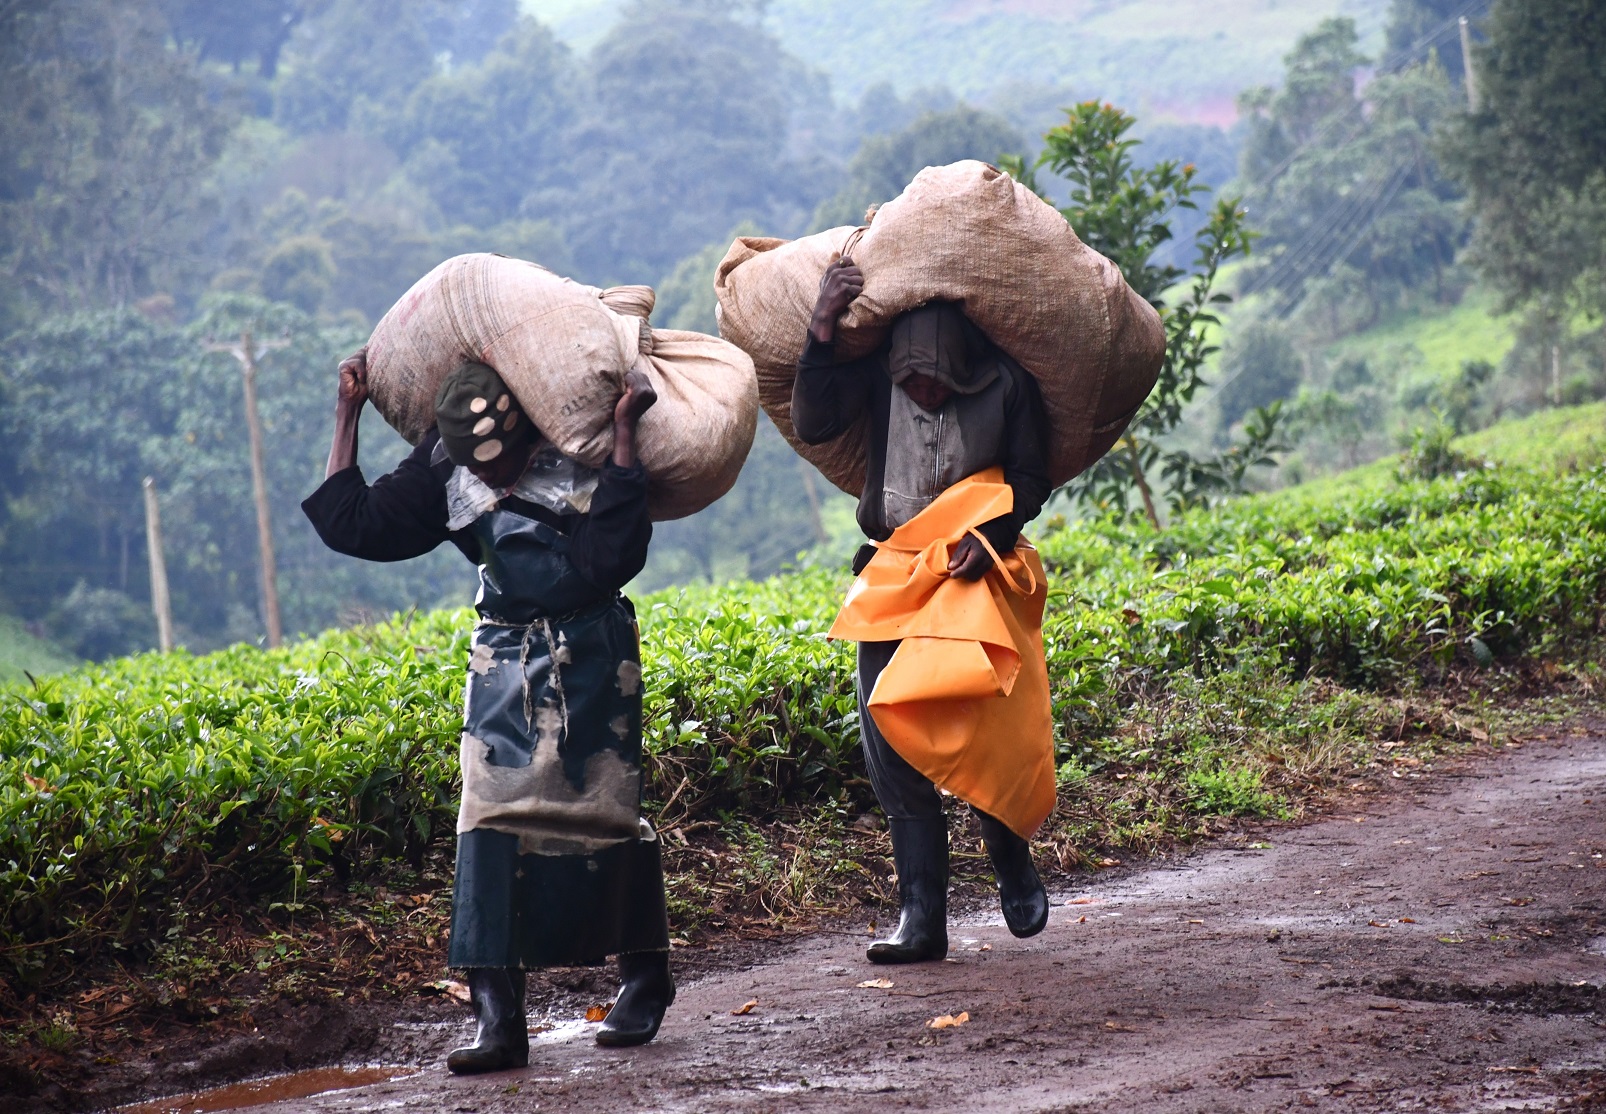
x,y
941,406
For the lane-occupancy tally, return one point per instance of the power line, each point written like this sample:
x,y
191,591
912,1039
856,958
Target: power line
x,y
1389,65
1335,215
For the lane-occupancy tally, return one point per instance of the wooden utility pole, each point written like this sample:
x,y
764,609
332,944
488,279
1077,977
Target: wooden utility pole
x,y
160,603
246,352
1473,103
818,523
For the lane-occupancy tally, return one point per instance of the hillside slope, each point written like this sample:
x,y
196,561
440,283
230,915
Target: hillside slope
x,y
1160,57
21,653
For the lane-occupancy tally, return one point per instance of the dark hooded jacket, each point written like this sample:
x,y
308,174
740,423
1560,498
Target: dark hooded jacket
x,y
994,417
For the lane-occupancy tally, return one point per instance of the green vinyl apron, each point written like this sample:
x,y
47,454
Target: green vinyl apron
x,y
555,864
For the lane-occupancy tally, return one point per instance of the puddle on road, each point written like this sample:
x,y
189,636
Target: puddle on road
x,y
277,1088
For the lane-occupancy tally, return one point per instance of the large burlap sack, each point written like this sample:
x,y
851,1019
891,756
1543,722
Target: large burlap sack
x,y
966,233
563,349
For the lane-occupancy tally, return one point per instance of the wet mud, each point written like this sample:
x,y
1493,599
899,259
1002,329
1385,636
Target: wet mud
x,y
1438,945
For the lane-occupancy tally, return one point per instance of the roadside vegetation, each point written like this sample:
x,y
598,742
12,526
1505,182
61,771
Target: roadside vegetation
x,y
1234,665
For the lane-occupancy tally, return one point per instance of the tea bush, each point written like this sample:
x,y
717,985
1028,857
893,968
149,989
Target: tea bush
x,y
129,786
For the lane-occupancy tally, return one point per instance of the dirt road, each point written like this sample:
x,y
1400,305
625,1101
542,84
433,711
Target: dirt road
x,y
1437,946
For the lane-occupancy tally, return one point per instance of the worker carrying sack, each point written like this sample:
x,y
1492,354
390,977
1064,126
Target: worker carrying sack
x,y
563,349
965,233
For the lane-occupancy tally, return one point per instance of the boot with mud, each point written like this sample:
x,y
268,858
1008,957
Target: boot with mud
x,y
920,853
503,1041
1020,890
648,990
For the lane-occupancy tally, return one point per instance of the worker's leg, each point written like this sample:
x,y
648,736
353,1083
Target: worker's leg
x,y
1020,890
918,828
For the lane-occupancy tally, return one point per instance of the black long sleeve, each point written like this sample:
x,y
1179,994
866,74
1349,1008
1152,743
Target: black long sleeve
x,y
1025,460
400,516
608,544
827,397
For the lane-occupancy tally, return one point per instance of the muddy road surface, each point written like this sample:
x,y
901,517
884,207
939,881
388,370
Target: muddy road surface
x,y
1440,945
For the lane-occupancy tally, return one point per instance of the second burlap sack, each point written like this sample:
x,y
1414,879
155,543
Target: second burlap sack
x,y
563,349
966,233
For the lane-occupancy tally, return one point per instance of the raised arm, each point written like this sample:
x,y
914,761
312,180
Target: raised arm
x,y
828,397
608,546
350,394
403,514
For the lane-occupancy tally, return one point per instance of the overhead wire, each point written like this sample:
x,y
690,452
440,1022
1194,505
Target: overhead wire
x,y
1347,216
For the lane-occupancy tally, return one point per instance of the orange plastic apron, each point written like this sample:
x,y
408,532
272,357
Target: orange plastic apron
x,y
964,699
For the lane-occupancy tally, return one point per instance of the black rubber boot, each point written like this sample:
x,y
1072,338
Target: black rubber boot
x,y
920,852
647,992
1020,890
503,1041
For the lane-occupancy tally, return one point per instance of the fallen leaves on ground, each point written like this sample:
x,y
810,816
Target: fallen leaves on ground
x,y
451,988
596,1013
949,1020
876,984
745,1008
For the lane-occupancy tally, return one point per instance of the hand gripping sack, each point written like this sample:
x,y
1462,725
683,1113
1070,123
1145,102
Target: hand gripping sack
x,y
966,233
563,349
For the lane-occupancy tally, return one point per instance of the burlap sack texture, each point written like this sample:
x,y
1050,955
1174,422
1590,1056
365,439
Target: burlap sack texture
x,y
563,349
967,233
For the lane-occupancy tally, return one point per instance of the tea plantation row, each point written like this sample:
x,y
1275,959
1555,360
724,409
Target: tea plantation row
x,y
150,780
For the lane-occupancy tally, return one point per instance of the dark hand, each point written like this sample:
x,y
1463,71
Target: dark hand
x,y
637,399
841,283
970,559
353,389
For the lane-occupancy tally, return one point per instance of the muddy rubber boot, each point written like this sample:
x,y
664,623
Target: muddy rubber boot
x,y
503,1041
647,992
1020,890
920,852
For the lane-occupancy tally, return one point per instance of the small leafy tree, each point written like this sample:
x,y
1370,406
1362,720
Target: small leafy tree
x,y
1124,212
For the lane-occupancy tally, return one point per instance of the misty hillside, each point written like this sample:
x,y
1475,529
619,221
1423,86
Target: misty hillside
x,y
1169,58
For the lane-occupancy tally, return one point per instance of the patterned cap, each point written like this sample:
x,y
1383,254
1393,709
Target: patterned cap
x,y
478,417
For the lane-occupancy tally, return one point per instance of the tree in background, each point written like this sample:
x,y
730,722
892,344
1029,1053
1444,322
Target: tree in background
x,y
1533,159
97,401
86,395
685,132
361,53
240,31
108,138
885,164
482,139
1351,206
1433,26
1124,212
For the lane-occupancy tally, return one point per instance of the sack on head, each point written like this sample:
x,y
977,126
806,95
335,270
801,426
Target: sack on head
x,y
563,349
965,233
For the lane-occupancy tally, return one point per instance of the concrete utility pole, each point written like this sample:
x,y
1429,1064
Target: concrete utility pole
x,y
1466,66
160,603
246,352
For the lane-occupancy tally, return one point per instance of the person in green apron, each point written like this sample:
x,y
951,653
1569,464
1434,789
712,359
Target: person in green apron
x,y
555,864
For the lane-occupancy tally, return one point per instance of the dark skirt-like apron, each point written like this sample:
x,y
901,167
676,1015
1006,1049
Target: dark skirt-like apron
x,y
555,864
